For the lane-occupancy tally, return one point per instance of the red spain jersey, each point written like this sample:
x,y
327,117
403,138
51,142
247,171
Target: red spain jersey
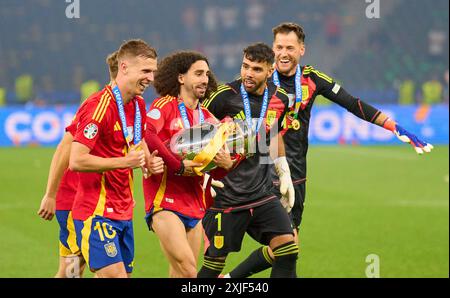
x,y
67,188
108,194
168,191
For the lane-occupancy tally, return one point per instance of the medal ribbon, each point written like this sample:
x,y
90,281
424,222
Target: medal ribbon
x,y
184,117
247,110
137,118
298,88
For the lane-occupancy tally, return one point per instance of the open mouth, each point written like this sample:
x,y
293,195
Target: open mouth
x,y
143,86
284,62
249,84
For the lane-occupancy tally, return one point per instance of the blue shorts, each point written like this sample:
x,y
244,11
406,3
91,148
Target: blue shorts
x,y
67,236
104,242
188,222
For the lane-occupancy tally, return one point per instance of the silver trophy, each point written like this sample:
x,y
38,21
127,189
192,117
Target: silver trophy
x,y
202,142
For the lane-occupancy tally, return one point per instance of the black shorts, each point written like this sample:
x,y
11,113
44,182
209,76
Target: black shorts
x,y
299,204
225,231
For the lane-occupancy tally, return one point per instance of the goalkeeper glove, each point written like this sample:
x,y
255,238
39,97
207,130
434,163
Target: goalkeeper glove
x,y
286,187
407,137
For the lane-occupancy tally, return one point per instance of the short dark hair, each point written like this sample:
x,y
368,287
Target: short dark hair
x,y
259,52
286,28
135,48
166,78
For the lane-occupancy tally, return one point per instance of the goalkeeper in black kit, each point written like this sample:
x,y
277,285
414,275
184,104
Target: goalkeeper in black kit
x,y
303,84
249,202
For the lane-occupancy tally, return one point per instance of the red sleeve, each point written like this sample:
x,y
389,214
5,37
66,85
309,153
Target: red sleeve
x,y
156,119
218,173
91,122
72,127
172,161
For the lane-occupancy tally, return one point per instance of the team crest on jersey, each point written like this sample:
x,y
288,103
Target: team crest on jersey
x,y
218,242
111,249
305,93
271,117
90,131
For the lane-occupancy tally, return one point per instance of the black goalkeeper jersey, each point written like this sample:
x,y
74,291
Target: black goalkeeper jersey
x,y
314,83
250,183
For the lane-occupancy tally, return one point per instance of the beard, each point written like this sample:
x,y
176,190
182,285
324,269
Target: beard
x,y
252,88
200,93
286,68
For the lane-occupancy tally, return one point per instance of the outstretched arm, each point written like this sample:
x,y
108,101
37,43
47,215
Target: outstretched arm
x,y
370,114
365,111
403,135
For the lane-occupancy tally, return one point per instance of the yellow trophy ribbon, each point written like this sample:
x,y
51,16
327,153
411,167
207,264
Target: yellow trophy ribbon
x,y
217,142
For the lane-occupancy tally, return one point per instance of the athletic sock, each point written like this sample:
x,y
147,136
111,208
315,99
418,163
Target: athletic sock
x,y
259,260
284,264
211,268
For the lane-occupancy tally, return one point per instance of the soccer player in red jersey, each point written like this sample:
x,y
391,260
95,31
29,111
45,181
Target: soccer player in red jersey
x,y
106,148
60,193
175,201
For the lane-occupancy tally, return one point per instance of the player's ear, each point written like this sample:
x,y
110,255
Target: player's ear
x,y
271,70
302,50
181,78
123,67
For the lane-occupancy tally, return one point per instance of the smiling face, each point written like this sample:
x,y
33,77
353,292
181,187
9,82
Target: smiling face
x,y
254,75
137,74
194,82
288,52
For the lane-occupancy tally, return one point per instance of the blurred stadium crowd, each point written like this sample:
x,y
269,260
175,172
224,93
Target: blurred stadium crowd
x,y
402,57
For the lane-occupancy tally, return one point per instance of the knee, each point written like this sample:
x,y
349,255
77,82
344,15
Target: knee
x,y
288,252
187,268
281,240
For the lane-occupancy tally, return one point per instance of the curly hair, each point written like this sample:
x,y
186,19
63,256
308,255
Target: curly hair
x,y
259,52
166,78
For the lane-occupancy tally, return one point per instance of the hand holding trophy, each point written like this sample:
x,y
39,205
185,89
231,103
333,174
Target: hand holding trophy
x,y
209,144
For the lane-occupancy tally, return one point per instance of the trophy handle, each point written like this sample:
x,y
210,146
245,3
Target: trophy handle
x,y
210,150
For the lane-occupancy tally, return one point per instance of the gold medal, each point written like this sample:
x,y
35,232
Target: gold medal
x,y
296,124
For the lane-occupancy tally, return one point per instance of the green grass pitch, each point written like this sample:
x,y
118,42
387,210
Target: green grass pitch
x,y
360,201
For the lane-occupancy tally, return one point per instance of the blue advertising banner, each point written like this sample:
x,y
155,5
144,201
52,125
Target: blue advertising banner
x,y
21,126
333,125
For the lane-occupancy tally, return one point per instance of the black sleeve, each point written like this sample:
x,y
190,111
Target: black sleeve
x,y
334,92
216,101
